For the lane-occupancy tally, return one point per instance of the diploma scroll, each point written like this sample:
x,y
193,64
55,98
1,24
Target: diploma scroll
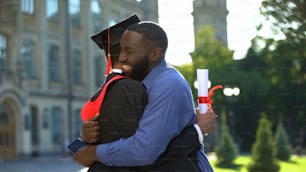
x,y
202,77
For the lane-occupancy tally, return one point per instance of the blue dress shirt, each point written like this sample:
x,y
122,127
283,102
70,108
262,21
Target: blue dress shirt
x,y
170,109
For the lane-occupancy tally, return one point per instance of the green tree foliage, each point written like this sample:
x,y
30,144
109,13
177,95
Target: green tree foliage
x,y
226,149
263,150
281,63
209,52
286,73
287,16
188,72
253,90
283,148
213,55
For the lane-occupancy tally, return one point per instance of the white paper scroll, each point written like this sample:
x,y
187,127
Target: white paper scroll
x,y
202,77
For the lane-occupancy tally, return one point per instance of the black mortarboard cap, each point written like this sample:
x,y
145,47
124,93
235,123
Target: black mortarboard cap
x,y
116,31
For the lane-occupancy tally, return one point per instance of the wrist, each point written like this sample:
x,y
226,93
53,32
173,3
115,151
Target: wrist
x,y
93,152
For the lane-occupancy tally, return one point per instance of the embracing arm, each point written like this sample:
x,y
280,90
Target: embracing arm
x,y
184,143
163,119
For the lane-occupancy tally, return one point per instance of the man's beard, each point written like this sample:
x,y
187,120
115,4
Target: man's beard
x,y
140,70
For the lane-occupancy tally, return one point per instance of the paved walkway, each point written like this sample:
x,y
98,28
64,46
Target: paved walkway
x,y
46,164
42,164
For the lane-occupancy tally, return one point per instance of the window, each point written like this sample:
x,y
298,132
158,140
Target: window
x,y
78,123
27,6
34,125
45,119
77,66
96,16
4,118
99,74
27,58
57,125
54,64
74,12
27,122
52,9
2,53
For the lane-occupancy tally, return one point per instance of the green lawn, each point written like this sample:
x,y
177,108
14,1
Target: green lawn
x,y
295,164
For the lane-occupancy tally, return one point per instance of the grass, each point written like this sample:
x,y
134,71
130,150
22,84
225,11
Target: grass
x,y
295,164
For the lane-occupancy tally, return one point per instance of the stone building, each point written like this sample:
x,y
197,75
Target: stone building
x,y
213,13
49,67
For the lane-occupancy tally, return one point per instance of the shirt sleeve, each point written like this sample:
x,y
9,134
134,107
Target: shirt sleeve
x,y
200,135
169,111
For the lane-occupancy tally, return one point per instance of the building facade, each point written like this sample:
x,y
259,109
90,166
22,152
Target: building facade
x,y
49,67
213,13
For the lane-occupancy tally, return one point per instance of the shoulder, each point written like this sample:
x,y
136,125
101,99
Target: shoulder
x,y
173,77
169,80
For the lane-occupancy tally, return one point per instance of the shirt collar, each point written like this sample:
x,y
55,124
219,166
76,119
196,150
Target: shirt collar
x,y
117,71
153,74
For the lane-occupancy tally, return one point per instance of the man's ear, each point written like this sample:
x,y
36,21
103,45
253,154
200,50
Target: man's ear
x,y
156,54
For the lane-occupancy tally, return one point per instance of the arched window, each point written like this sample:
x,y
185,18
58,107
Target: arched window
x,y
4,119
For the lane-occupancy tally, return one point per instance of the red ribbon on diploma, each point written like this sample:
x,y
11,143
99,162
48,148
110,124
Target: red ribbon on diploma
x,y
207,99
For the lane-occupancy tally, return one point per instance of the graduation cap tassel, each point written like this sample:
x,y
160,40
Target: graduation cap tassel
x,y
109,60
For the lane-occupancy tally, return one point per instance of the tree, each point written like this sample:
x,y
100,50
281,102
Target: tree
x,y
263,150
213,55
287,16
285,72
253,88
226,149
285,61
210,54
283,148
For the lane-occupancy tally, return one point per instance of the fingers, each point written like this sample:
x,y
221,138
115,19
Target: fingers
x,y
91,131
91,126
206,121
211,114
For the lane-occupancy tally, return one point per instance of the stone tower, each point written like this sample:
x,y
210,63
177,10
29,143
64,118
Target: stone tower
x,y
214,13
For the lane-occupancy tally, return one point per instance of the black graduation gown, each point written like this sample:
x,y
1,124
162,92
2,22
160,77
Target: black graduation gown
x,y
120,113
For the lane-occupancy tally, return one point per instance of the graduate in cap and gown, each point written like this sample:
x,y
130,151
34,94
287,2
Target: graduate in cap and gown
x,y
123,102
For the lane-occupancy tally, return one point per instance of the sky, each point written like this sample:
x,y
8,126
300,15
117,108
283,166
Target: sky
x,y
175,17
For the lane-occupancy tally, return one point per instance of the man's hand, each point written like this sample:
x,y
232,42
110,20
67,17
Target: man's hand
x,y
206,121
86,156
91,130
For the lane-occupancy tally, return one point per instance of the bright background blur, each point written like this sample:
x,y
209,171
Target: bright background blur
x,y
176,19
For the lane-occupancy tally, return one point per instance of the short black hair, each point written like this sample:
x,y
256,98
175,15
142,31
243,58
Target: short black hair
x,y
152,32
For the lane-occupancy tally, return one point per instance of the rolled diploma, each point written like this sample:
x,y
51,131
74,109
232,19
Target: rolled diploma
x,y
202,76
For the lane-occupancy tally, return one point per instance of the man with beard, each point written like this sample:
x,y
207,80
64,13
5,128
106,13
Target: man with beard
x,y
170,108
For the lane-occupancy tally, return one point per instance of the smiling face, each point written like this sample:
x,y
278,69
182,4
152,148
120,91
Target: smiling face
x,y
143,46
135,55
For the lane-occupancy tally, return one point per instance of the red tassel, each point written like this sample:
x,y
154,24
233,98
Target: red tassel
x,y
109,65
109,60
